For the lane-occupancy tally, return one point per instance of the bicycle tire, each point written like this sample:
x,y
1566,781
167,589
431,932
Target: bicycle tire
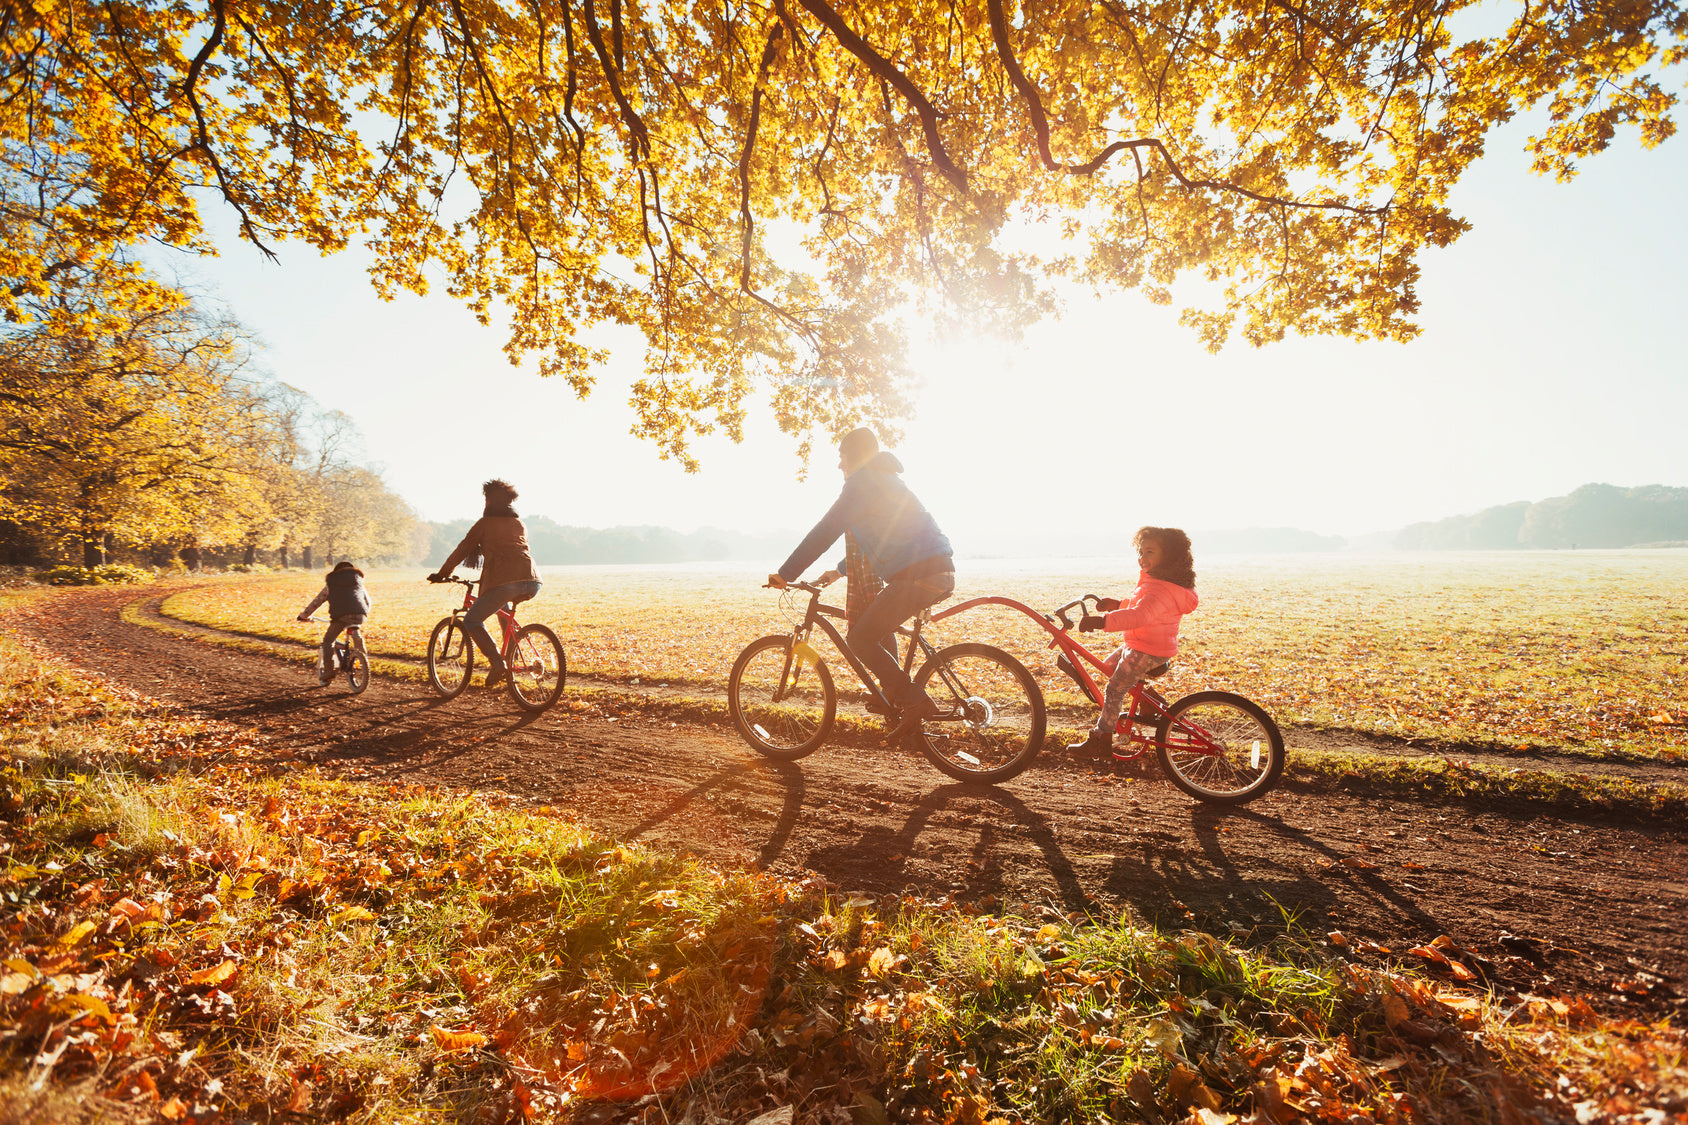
x,y
356,667
537,666
1241,727
780,722
451,658
993,716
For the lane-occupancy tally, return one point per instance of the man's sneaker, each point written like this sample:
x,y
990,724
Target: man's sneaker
x,y
496,677
912,716
324,674
1097,744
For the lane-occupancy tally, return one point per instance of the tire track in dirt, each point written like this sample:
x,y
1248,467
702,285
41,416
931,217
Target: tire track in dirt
x,y
1583,904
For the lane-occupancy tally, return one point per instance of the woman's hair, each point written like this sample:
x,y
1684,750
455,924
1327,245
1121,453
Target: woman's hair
x,y
1176,563
346,564
500,495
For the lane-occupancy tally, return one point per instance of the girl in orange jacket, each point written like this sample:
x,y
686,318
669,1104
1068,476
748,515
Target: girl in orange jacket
x,y
1149,617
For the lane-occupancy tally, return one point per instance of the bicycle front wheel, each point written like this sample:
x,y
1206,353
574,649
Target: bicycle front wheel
x,y
1220,747
783,707
537,667
357,671
991,715
451,657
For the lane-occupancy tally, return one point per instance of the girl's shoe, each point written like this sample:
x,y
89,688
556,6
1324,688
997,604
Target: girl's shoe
x,y
1097,744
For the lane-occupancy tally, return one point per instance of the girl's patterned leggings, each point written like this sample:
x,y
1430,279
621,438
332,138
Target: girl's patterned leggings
x,y
1127,667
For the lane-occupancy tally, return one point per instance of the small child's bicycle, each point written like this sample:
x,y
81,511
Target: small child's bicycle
x,y
532,655
1215,745
348,659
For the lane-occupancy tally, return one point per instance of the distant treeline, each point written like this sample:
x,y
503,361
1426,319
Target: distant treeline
x,y
553,544
1595,515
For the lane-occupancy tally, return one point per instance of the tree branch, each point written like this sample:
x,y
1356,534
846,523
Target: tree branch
x,y
1040,124
882,67
202,141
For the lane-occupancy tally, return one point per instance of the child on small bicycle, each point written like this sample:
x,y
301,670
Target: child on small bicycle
x,y
1149,618
348,608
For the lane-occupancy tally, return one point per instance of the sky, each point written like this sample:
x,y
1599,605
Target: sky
x,y
1551,356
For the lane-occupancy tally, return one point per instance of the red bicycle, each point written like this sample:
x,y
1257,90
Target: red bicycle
x,y
532,655
1215,745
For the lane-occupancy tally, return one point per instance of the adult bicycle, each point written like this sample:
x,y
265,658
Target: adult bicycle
x,y
349,659
532,655
990,720
1217,746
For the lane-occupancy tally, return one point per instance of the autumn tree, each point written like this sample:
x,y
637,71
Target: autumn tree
x,y
126,415
771,190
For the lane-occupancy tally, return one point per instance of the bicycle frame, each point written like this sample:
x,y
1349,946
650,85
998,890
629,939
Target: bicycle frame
x,y
818,614
506,615
1148,707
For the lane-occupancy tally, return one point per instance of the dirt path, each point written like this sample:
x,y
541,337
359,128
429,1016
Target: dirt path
x,y
1587,905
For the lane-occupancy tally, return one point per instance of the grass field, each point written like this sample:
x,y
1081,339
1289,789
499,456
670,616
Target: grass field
x,y
1581,650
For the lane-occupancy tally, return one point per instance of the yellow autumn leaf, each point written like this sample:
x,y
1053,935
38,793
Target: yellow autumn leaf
x,y
215,975
456,1040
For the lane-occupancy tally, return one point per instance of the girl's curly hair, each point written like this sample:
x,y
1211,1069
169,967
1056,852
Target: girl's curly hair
x,y
1177,565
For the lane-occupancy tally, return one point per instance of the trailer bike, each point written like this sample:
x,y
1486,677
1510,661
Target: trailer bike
x,y
1217,746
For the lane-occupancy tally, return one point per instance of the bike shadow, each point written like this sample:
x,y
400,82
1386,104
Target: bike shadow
x,y
399,738
880,859
1206,885
740,778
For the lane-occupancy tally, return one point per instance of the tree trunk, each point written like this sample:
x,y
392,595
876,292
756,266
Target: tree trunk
x,y
190,557
281,554
93,551
305,558
250,558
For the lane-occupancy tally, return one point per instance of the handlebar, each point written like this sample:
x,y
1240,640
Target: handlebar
x,y
1061,613
453,580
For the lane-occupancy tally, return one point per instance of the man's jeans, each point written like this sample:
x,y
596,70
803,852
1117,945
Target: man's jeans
x,y
489,603
872,636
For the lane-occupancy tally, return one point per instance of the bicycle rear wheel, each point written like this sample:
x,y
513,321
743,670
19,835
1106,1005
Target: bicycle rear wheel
x,y
991,715
356,666
1219,747
451,657
783,707
537,667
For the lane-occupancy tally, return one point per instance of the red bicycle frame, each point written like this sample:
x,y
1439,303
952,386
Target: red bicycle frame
x,y
1148,706
506,615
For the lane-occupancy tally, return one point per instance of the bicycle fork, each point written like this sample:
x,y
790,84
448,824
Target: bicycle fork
x,y
797,654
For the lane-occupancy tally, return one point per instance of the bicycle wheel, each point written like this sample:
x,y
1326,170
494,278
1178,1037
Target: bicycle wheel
x,y
537,667
451,657
783,707
1220,747
356,666
991,719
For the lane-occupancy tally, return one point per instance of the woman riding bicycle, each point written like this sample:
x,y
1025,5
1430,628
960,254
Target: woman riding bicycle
x,y
498,545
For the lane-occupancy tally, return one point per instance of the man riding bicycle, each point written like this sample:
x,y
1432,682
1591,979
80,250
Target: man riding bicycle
x,y
901,542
